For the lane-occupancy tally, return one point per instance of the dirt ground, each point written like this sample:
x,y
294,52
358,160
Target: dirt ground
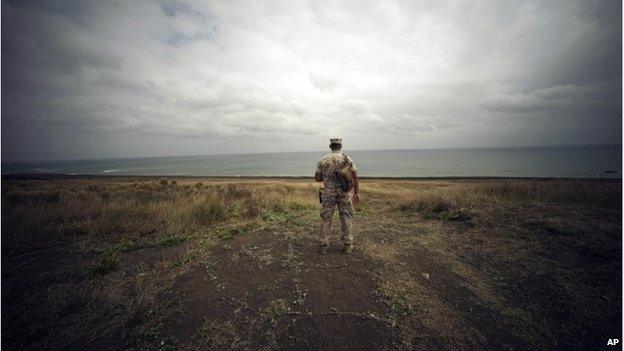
x,y
493,275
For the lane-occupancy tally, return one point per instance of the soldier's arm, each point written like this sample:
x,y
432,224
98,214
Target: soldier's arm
x,y
356,183
356,187
318,176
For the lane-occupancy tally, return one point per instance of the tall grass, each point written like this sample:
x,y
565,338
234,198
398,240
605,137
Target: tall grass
x,y
109,212
38,213
456,197
605,193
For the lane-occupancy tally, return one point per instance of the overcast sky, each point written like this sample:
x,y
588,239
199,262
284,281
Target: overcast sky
x,y
99,79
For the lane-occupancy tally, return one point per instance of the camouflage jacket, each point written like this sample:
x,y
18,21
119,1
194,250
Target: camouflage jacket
x,y
329,164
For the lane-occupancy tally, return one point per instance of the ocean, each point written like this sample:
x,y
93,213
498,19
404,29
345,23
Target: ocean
x,y
554,161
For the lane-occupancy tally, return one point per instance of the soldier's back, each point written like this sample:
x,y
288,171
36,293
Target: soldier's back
x,y
330,164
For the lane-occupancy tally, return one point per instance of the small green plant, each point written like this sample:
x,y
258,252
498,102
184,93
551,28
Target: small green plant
x,y
277,218
105,265
126,246
238,229
265,259
399,306
134,245
298,206
289,261
188,257
171,240
278,308
283,218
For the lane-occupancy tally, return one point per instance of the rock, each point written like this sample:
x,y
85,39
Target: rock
x,y
425,275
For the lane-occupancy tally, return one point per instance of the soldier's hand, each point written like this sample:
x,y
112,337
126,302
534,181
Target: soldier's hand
x,y
356,198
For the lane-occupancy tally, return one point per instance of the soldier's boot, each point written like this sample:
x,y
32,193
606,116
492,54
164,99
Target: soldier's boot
x,y
348,248
322,250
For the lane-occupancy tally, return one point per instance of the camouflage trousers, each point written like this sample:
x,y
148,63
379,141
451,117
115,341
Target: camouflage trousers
x,y
331,200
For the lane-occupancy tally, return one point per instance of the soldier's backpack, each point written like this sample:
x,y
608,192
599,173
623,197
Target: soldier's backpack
x,y
344,177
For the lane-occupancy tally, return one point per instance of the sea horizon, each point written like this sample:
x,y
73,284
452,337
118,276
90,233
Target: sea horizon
x,y
346,150
559,161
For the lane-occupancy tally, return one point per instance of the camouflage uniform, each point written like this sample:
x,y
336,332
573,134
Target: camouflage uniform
x,y
333,196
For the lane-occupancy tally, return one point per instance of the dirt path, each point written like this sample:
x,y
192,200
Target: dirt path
x,y
269,290
279,293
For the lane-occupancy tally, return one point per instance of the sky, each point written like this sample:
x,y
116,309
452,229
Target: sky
x,y
106,79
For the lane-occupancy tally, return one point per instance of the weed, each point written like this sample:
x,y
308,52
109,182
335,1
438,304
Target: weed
x,y
105,265
188,257
265,259
278,308
399,306
284,218
134,245
171,240
209,209
235,230
126,246
301,295
426,203
289,261
253,207
442,205
234,257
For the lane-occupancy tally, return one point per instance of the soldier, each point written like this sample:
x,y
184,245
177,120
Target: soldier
x,y
333,195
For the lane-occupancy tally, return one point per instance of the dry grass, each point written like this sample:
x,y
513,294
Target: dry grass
x,y
108,219
602,193
455,201
91,261
115,211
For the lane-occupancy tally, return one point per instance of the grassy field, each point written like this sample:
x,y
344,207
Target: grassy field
x,y
213,264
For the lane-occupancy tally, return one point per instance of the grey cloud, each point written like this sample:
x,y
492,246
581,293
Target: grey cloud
x,y
225,74
409,124
324,83
555,97
356,106
187,24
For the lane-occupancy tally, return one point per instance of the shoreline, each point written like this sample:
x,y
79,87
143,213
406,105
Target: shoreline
x,y
54,176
